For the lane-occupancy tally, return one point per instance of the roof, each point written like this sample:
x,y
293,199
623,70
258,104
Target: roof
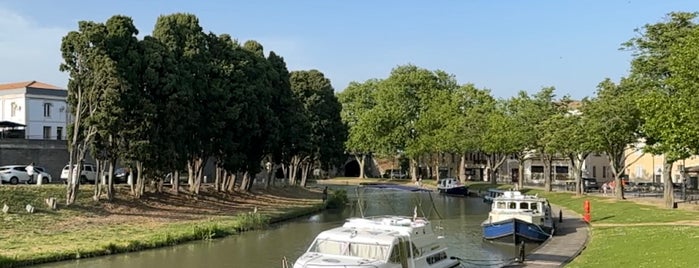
x,y
27,84
10,124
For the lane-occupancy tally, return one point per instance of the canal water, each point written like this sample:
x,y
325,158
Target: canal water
x,y
456,218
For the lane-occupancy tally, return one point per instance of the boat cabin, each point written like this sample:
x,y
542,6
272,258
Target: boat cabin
x,y
378,242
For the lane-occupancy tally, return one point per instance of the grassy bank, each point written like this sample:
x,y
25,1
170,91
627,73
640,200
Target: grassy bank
x,y
91,228
628,234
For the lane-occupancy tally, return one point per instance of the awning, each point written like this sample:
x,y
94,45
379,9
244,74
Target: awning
x,y
10,124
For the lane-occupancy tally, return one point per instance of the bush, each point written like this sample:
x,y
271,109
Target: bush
x,y
338,199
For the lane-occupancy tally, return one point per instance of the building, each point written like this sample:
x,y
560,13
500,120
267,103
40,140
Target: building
x,y
648,168
37,110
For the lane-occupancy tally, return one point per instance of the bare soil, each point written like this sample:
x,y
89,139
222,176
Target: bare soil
x,y
166,207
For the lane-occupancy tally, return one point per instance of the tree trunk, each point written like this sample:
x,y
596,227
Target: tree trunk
x,y
462,168
576,165
305,169
413,169
175,180
520,173
140,180
232,177
361,160
217,179
668,193
547,159
110,180
196,167
270,175
99,181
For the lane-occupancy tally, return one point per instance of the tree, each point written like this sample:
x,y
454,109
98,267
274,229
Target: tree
x,y
567,133
664,127
525,117
499,142
91,71
327,132
545,107
357,100
614,126
182,36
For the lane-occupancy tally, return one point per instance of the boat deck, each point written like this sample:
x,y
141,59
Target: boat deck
x,y
568,241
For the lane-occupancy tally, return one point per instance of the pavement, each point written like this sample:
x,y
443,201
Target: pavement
x,y
568,241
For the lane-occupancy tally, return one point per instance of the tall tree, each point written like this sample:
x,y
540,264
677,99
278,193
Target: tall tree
x,y
357,100
328,133
651,67
182,36
614,126
567,133
525,117
91,71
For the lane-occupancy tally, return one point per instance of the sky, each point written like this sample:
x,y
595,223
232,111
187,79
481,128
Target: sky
x,y
505,46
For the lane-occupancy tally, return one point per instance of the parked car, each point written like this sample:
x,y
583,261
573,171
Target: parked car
x,y
15,174
88,174
121,175
590,184
395,174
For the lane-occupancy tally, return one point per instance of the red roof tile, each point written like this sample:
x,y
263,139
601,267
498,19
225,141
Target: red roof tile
x,y
33,84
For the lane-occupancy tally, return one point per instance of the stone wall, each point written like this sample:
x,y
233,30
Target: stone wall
x,y
49,154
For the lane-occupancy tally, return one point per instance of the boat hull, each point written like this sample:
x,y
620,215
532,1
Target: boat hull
x,y
510,229
459,190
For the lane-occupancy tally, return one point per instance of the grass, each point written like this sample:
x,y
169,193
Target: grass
x,y
628,234
74,232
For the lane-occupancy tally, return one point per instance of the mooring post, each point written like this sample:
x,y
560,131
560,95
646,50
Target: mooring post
x,y
560,215
521,252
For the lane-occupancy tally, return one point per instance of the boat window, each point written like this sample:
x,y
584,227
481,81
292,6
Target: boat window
x,y
534,206
512,205
501,205
523,205
368,251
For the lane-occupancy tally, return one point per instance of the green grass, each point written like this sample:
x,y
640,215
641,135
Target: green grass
x,y
628,234
608,210
645,246
27,239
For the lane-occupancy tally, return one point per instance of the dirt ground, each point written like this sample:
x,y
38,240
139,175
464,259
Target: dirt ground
x,y
160,208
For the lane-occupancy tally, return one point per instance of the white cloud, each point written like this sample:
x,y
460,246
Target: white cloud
x,y
29,51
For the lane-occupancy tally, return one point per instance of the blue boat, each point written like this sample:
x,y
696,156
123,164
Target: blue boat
x,y
516,217
452,186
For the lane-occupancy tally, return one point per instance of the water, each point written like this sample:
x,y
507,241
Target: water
x,y
457,219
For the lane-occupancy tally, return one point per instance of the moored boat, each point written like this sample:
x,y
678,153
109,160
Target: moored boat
x,y
452,186
492,194
516,217
382,241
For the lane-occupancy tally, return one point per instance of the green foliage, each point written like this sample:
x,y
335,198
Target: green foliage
x,y
338,199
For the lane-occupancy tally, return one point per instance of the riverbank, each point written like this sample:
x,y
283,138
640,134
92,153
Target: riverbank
x,y
90,228
636,232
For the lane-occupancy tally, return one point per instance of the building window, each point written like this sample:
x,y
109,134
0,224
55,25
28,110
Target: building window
x,y
561,170
604,172
13,109
47,109
47,133
59,133
594,171
537,169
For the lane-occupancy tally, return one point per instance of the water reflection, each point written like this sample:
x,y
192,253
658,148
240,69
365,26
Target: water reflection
x,y
456,218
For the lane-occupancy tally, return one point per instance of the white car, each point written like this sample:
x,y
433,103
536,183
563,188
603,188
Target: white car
x,y
15,174
88,174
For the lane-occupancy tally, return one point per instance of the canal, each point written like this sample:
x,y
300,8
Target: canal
x,y
456,218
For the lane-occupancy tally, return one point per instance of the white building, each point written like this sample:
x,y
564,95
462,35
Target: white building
x,y
41,108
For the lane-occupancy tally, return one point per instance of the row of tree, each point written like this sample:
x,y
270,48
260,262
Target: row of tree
x,y
417,113
175,99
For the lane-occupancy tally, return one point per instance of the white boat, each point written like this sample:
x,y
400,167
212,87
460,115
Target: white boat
x,y
381,242
515,217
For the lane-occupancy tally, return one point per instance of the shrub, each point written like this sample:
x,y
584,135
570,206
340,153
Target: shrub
x,y
338,199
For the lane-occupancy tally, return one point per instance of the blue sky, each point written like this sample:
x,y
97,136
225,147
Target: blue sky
x,y
505,46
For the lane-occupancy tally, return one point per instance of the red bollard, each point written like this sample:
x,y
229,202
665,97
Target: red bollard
x,y
586,215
